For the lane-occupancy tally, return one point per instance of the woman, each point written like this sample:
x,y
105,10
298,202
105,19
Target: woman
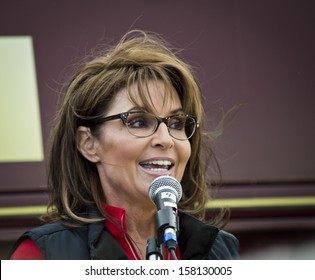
x,y
128,116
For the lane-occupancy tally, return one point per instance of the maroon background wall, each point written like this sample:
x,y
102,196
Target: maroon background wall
x,y
257,53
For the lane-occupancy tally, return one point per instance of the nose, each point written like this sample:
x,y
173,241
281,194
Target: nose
x,y
162,137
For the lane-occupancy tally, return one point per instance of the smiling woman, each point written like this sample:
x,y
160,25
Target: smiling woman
x,y
130,115
122,157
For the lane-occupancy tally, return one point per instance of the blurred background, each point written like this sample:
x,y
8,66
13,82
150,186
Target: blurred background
x,y
256,56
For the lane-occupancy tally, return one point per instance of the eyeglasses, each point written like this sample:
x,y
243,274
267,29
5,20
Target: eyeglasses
x,y
143,124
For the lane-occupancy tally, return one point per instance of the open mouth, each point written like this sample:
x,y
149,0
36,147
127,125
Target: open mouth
x,y
157,165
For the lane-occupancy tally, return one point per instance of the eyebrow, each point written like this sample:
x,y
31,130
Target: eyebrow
x,y
177,110
143,109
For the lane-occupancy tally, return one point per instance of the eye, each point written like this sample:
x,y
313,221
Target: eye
x,y
177,122
139,120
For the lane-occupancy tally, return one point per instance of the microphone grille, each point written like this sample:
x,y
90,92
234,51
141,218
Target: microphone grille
x,y
165,181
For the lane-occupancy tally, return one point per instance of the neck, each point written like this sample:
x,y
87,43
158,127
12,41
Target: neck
x,y
140,223
140,228
140,215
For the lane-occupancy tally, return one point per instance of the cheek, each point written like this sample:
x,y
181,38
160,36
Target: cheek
x,y
117,148
112,151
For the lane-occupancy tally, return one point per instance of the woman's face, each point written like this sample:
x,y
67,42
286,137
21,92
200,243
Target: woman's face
x,y
127,164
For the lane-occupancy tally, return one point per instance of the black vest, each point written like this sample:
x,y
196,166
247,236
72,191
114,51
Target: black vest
x,y
197,241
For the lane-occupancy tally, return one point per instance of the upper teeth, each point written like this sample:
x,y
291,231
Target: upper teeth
x,y
158,162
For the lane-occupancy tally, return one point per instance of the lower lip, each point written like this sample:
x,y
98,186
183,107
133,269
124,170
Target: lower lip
x,y
156,172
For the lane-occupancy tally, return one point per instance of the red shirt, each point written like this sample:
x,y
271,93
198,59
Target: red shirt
x,y
28,250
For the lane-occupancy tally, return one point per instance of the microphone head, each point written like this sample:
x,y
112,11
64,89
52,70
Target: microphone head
x,y
165,182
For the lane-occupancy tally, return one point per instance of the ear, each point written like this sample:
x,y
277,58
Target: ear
x,y
87,144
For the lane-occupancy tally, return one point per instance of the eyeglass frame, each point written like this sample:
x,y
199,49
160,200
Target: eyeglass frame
x,y
123,117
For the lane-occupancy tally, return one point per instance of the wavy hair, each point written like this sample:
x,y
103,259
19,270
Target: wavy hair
x,y
137,58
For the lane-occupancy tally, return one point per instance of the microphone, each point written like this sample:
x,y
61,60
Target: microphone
x,y
165,192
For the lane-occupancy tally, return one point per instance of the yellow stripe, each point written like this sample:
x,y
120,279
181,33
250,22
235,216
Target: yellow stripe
x,y
22,210
211,204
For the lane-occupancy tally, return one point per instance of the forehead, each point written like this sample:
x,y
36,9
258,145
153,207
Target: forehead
x,y
154,96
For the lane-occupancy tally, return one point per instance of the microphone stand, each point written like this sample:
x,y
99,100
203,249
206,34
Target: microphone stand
x,y
154,251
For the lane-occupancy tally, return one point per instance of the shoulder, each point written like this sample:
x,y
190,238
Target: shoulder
x,y
202,240
58,235
58,241
27,250
35,240
47,229
226,246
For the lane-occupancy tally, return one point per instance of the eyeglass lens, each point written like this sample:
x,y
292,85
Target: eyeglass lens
x,y
143,125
